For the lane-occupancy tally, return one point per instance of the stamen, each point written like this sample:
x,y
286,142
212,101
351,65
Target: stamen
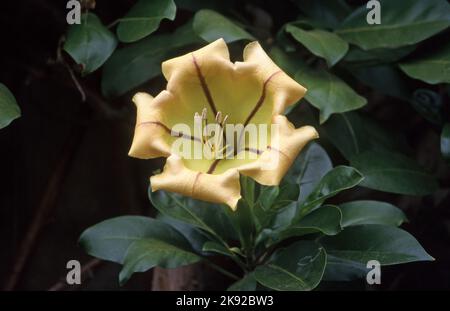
x,y
219,117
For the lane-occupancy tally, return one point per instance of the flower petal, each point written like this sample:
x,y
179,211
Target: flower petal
x,y
149,133
273,163
285,90
221,188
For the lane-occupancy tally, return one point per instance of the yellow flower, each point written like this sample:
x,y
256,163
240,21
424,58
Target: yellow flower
x,y
205,87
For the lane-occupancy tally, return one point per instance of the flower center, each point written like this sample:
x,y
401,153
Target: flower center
x,y
212,135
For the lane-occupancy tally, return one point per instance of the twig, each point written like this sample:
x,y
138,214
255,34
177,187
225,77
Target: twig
x,y
46,205
88,267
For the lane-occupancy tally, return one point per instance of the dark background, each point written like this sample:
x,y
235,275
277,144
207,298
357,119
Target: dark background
x,y
64,163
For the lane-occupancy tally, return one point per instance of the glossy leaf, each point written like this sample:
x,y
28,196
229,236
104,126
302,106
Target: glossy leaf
x,y
370,212
144,18
137,63
275,197
352,133
340,269
90,43
309,168
110,239
145,254
328,93
445,142
403,22
214,247
321,43
299,266
210,26
389,245
392,172
9,110
432,68
338,179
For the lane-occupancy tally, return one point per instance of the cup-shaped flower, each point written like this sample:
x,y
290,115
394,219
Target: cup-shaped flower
x,y
218,119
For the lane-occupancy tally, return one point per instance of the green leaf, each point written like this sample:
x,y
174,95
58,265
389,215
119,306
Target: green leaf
x,y
325,220
385,79
247,283
214,247
352,133
370,212
328,13
432,68
429,105
111,238
145,254
300,266
445,142
402,23
275,197
289,62
90,43
211,218
328,93
321,43
144,18
9,110
389,245
210,26
340,269
338,179
309,168
377,56
137,63
392,172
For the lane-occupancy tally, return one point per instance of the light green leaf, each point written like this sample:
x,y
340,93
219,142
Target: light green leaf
x,y
338,179
328,93
432,68
309,168
145,254
9,110
389,245
111,238
210,26
370,212
90,43
321,43
144,18
299,267
392,172
402,23
445,142
137,63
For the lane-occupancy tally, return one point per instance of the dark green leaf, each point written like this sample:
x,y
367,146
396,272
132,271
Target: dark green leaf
x,y
352,133
389,245
300,266
392,172
432,68
145,254
274,197
370,212
321,43
111,238
144,18
402,23
135,64
9,110
210,26
217,248
325,220
309,168
445,142
90,43
429,105
247,283
328,93
328,13
338,179
377,56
